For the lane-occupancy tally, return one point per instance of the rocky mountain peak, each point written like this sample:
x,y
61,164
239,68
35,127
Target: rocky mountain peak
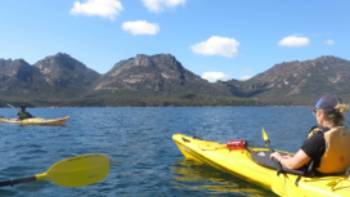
x,y
298,80
161,72
142,60
58,61
155,60
17,67
147,64
328,58
13,62
63,71
18,78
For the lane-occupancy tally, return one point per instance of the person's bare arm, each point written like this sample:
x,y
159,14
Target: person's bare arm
x,y
295,162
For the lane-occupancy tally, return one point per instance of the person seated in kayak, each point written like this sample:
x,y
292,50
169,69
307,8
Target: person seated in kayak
x,y
326,150
23,114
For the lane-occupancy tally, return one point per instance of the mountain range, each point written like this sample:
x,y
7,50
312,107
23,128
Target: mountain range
x,y
162,80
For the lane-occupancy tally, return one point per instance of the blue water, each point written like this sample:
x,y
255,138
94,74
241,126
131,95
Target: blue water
x,y
144,160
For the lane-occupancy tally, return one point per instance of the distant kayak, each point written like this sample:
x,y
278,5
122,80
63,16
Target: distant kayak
x,y
36,121
253,165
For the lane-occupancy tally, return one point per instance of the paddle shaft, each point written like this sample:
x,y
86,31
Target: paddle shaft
x,y
268,145
12,182
11,106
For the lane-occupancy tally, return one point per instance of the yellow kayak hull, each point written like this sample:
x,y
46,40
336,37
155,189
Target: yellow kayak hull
x,y
36,121
240,163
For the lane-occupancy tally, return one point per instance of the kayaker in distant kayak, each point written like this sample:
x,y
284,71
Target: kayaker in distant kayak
x,y
326,150
23,114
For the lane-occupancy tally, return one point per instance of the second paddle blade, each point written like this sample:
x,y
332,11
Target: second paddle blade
x,y
79,171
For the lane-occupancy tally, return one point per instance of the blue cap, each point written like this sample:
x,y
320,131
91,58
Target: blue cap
x,y
327,102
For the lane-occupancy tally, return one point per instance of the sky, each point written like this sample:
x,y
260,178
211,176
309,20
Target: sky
x,y
218,40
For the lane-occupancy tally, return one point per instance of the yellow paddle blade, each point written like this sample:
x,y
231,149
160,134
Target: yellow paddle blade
x,y
265,137
77,171
264,134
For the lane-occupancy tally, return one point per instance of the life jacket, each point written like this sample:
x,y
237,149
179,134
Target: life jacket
x,y
22,115
336,158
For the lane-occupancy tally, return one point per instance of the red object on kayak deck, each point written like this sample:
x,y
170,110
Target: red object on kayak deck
x,y
236,144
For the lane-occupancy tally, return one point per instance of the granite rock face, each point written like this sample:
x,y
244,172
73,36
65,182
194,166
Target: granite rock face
x,y
297,82
66,74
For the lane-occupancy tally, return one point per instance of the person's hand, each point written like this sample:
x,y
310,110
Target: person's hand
x,y
276,155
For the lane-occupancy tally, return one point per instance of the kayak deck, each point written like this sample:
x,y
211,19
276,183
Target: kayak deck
x,y
36,121
240,163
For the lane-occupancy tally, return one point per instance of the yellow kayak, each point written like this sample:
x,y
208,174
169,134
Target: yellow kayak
x,y
241,163
36,121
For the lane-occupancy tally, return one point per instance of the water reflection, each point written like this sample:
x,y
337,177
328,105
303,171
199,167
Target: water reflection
x,y
188,175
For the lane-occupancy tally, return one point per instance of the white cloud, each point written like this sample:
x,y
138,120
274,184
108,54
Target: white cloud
x,y
216,45
103,8
140,27
294,41
213,76
159,5
329,42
